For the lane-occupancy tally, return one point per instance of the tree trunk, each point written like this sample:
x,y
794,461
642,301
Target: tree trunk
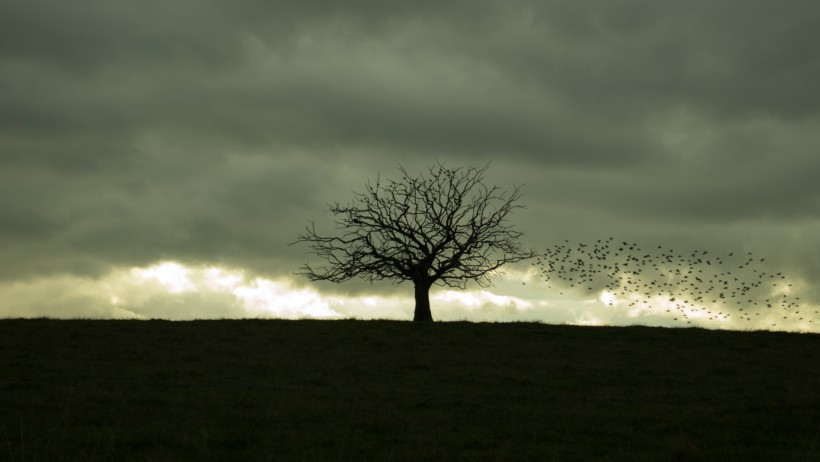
x,y
422,313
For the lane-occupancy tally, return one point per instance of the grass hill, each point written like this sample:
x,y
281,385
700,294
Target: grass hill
x,y
385,390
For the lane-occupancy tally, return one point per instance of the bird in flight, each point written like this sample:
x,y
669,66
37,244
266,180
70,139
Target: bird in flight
x,y
700,283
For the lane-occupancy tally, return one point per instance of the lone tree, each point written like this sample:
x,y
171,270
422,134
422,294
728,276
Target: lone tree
x,y
444,227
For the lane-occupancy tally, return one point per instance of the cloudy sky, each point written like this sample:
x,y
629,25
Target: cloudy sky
x,y
156,157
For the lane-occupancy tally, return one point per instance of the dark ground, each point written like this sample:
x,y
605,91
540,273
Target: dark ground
x,y
378,390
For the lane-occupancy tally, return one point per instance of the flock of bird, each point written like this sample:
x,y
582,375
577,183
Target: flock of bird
x,y
698,285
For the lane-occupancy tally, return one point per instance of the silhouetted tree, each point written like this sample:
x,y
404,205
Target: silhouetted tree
x,y
442,227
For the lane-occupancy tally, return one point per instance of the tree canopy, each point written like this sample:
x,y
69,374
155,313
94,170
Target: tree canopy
x,y
445,226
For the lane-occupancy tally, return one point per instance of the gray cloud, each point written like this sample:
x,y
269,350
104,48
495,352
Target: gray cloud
x,y
211,131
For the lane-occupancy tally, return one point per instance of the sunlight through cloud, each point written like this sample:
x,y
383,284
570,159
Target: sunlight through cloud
x,y
174,290
172,275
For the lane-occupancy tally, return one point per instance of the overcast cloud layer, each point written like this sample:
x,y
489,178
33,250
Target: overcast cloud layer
x,y
209,132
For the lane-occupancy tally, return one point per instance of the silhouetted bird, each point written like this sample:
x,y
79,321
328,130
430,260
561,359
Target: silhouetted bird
x,y
625,270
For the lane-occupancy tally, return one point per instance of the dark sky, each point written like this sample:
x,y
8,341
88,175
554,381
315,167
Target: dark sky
x,y
207,133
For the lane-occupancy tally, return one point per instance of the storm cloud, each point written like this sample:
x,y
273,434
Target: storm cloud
x,y
209,132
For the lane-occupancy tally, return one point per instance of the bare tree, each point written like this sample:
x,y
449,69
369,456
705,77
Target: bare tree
x,y
442,227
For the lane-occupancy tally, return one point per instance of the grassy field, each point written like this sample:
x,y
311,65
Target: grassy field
x,y
378,390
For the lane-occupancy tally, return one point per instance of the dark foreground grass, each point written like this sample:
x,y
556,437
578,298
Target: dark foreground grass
x,y
377,390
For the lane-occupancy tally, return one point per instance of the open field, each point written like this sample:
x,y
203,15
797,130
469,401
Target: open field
x,y
380,390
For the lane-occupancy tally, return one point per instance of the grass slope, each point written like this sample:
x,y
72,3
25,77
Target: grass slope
x,y
380,390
